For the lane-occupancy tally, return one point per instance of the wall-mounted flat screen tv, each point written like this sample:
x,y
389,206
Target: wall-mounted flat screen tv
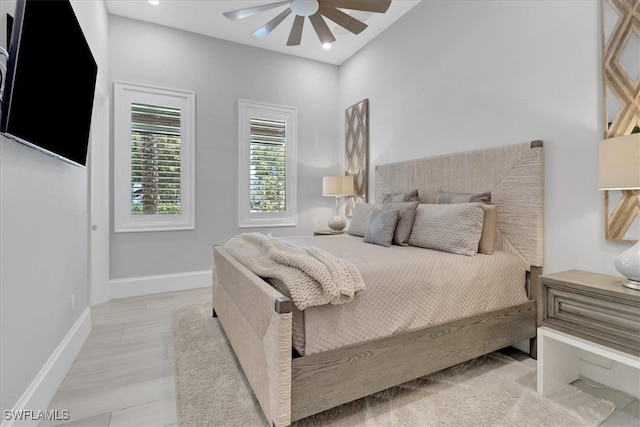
x,y
50,83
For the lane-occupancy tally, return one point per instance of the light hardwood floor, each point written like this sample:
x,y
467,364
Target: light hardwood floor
x,y
123,375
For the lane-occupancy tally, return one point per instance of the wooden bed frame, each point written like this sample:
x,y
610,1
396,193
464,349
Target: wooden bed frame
x,y
257,319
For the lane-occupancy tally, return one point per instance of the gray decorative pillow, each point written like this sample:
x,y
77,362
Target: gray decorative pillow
x,y
411,196
451,197
361,218
454,228
381,227
406,216
489,234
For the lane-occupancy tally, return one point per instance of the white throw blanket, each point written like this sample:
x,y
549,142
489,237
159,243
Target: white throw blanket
x,y
312,275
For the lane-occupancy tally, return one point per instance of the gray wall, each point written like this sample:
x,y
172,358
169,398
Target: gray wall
x,y
460,75
43,239
220,73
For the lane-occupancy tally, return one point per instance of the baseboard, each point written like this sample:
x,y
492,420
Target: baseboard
x,y
144,285
43,388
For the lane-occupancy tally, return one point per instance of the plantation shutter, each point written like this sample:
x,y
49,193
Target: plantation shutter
x,y
155,160
268,165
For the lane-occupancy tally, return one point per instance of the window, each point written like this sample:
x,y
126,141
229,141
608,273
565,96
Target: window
x,y
154,142
267,165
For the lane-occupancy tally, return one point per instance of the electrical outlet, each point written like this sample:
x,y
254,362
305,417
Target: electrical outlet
x,y
73,303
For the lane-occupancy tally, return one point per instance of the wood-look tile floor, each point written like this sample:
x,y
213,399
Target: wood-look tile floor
x,y
123,376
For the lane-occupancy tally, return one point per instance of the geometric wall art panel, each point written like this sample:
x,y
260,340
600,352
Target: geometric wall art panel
x,y
620,29
357,152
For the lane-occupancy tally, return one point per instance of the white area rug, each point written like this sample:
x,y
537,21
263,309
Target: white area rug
x,y
492,390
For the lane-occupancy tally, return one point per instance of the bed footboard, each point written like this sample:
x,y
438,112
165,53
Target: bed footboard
x,y
257,321
318,381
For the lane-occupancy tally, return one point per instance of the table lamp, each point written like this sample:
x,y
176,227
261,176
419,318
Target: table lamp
x,y
619,169
337,186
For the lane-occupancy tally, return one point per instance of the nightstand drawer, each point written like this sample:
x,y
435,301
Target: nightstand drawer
x,y
592,306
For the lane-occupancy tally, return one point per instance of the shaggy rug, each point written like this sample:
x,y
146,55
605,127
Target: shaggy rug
x,y
492,390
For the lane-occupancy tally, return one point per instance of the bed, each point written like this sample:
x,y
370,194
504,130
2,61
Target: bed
x,y
295,381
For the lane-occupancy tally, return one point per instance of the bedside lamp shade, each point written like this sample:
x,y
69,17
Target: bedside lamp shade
x,y
337,185
619,169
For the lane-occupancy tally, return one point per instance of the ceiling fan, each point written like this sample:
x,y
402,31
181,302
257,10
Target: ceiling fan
x,y
315,10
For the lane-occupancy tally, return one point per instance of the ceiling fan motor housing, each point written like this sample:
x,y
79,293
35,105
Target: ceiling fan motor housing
x,y
304,7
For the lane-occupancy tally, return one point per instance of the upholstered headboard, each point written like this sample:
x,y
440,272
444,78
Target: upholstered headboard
x,y
514,174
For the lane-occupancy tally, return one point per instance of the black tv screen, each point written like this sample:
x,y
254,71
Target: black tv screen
x,y
50,84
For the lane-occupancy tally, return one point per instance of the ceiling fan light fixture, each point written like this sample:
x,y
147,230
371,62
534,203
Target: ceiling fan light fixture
x,y
317,11
304,7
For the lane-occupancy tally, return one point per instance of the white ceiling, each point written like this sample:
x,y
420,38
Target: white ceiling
x,y
205,17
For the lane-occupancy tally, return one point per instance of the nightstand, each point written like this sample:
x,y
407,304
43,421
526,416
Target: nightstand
x,y
578,310
327,233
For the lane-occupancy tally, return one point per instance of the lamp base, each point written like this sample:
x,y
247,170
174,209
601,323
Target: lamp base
x,y
337,224
628,264
631,284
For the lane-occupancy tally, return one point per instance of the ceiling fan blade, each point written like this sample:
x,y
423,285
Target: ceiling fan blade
x,y
296,31
269,26
322,29
234,15
344,20
380,6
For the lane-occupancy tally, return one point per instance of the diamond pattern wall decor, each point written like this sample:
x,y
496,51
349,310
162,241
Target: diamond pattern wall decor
x,y
620,22
357,151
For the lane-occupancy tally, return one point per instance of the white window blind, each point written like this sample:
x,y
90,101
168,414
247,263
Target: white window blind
x,y
155,160
267,149
268,165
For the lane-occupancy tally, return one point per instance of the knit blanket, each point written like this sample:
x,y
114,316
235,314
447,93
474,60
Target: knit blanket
x,y
312,275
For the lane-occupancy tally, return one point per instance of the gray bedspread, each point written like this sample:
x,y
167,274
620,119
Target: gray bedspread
x,y
407,288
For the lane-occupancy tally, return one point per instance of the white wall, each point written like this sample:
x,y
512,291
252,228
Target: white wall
x,y
461,75
220,73
43,239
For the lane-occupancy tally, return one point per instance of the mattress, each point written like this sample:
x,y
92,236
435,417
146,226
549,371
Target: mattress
x,y
407,288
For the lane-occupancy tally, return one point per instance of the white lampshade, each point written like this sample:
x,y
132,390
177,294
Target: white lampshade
x,y
619,163
337,185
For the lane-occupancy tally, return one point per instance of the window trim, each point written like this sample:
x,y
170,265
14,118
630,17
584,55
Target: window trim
x,y
124,95
246,218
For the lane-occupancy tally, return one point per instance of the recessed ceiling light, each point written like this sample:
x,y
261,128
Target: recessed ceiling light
x,y
326,45
154,2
